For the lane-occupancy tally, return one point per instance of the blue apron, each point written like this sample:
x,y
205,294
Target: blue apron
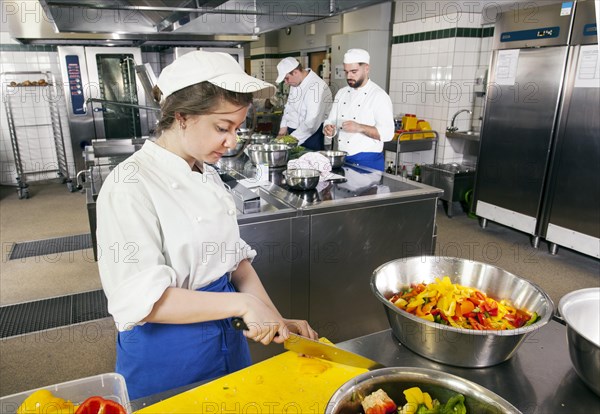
x,y
375,160
156,357
315,142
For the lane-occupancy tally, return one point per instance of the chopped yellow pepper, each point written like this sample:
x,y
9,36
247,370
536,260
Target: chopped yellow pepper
x,y
44,402
414,398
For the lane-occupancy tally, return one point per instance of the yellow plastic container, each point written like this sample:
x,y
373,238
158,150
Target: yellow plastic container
x,y
406,137
423,125
416,136
409,122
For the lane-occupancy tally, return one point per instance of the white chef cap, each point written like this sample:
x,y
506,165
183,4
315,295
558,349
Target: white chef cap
x,y
357,56
215,67
284,67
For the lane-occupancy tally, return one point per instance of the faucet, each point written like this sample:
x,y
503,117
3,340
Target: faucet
x,y
452,128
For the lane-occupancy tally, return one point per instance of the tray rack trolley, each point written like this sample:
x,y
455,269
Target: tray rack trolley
x,y
31,92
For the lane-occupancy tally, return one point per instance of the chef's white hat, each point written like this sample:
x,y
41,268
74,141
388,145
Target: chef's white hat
x,y
357,56
217,68
284,67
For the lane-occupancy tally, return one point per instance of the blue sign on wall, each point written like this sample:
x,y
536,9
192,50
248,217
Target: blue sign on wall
x,y
75,85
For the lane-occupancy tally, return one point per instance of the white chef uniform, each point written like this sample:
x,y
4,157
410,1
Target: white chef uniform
x,y
174,228
308,105
368,105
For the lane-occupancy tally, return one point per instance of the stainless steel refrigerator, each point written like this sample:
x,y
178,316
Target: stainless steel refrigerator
x,y
529,97
571,207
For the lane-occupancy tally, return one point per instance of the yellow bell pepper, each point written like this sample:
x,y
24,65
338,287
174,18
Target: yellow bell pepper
x,y
415,397
44,402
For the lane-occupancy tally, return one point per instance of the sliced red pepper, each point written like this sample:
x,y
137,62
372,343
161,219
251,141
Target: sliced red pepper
x,y
99,405
476,325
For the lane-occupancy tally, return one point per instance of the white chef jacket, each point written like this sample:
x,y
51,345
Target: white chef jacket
x,y
162,225
367,105
308,105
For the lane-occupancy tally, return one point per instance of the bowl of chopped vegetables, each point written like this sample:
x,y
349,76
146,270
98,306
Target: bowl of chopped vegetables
x,y
287,140
409,390
457,311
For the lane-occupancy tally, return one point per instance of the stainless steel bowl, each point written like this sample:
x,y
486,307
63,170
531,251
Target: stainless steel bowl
x,y
274,155
235,150
438,384
581,312
257,138
460,347
336,158
244,133
302,179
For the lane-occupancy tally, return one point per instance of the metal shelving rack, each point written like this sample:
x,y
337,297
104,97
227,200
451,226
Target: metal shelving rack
x,y
50,95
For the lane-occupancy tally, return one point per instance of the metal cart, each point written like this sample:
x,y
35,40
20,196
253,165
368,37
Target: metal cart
x,y
34,96
424,144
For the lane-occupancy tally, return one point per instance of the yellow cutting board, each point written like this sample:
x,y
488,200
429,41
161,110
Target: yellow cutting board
x,y
286,383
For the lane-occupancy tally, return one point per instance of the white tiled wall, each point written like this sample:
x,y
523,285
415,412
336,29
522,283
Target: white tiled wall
x,y
435,78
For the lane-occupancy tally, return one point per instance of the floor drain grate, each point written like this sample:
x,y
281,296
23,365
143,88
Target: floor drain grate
x,y
51,246
24,318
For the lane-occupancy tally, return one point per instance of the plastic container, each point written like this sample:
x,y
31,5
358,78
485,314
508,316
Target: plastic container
x,y
409,121
110,386
416,135
406,137
423,125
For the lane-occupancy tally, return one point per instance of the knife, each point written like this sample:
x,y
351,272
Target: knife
x,y
306,346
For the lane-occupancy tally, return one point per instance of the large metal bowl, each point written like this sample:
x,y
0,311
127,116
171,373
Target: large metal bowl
x,y
446,344
302,179
336,158
235,150
258,138
581,312
439,385
274,155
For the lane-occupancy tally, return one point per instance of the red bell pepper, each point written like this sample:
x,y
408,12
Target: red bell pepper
x,y
99,405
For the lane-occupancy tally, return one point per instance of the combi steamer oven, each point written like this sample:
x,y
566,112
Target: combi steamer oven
x,y
107,76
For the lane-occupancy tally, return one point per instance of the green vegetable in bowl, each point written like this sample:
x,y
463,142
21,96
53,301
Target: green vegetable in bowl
x,y
297,150
287,139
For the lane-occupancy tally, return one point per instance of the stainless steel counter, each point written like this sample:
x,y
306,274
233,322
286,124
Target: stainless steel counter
x,y
312,244
538,379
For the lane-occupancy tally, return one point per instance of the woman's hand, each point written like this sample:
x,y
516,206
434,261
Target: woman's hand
x,y
297,326
263,323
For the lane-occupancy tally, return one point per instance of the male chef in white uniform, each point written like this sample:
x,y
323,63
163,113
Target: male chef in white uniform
x,y
361,114
308,104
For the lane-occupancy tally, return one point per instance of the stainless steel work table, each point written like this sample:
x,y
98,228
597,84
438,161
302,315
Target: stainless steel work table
x,y
312,244
340,233
538,379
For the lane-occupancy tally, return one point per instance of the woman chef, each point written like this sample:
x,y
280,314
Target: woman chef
x,y
172,263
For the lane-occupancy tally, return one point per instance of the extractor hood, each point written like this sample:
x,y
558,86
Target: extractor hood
x,y
172,22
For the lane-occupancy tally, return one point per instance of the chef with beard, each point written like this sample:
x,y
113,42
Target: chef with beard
x,y
361,114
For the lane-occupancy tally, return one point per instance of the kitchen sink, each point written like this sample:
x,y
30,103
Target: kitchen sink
x,y
470,135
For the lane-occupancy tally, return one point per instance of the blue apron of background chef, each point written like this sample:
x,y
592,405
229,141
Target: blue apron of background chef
x,y
315,142
375,160
156,357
